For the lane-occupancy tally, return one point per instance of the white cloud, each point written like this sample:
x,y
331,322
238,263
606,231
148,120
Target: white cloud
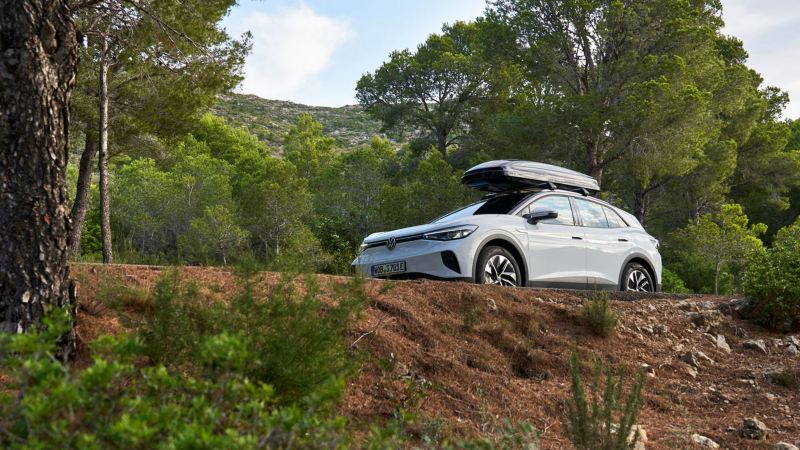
x,y
290,48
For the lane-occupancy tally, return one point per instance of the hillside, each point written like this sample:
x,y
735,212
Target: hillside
x,y
467,357
270,119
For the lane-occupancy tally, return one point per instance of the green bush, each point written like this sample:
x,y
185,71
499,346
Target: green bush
x,y
602,320
772,281
672,283
117,403
596,421
296,340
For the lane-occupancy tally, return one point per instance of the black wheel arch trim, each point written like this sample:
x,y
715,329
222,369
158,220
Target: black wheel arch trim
x,y
507,239
648,265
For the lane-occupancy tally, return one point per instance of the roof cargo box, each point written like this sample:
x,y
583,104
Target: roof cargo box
x,y
513,175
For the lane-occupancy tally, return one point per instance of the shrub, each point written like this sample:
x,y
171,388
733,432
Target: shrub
x,y
115,403
671,282
598,314
602,421
772,281
296,339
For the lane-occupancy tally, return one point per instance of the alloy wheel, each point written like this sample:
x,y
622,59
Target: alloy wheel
x,y
638,281
500,270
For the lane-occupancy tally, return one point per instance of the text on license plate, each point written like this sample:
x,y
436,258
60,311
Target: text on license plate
x,y
388,268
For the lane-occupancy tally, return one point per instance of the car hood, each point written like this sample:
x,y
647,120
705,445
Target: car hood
x,y
418,229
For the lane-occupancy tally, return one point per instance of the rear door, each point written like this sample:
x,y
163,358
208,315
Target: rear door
x,y
607,244
556,249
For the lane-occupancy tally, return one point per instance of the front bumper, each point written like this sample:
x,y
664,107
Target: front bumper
x,y
423,258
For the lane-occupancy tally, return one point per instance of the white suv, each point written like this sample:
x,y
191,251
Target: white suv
x,y
540,228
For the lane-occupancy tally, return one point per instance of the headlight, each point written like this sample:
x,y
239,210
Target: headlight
x,y
451,234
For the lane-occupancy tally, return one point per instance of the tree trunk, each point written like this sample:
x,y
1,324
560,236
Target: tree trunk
x,y
81,203
105,206
717,269
441,143
640,206
38,59
594,168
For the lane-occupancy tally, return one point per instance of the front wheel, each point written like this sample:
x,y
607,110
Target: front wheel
x,y
497,265
636,278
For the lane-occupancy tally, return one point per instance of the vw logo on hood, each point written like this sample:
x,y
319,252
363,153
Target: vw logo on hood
x,y
391,243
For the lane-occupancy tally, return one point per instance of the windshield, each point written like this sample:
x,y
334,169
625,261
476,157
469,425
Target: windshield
x,y
500,204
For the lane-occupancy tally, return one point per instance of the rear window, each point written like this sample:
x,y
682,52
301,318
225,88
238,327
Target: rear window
x,y
501,204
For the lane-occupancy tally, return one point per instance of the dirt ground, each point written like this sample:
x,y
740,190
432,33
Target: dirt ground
x,y
466,357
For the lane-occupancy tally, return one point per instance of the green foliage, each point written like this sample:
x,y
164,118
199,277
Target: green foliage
x,y
721,241
602,421
672,283
212,237
772,281
599,315
294,340
117,403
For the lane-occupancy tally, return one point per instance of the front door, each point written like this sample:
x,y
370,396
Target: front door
x,y
556,248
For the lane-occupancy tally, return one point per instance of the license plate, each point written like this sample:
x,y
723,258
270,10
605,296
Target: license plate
x,y
380,270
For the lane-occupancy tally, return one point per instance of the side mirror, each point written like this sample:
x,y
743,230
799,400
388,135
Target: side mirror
x,y
539,214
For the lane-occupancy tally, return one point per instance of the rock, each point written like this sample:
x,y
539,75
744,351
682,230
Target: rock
x,y
722,343
662,329
753,428
792,349
637,432
736,307
705,318
794,340
756,344
491,304
770,397
784,446
649,370
691,371
740,332
703,357
777,342
690,359
687,306
704,441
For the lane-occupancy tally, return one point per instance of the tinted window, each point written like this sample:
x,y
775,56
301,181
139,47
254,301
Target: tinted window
x,y
555,203
614,220
502,204
591,213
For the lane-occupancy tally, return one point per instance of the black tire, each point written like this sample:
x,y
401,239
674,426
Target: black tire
x,y
495,265
636,278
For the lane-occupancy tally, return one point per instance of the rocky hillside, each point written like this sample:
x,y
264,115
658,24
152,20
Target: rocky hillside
x,y
270,119
466,358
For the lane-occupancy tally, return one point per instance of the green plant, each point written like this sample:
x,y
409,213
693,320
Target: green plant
x,y
787,378
596,421
471,318
602,320
117,403
772,281
671,282
296,339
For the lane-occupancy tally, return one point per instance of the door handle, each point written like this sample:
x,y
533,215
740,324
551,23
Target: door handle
x,y
622,240
577,237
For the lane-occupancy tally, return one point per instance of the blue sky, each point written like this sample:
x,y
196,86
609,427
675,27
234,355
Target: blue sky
x,y
314,51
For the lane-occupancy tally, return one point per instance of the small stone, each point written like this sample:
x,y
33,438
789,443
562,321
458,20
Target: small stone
x,y
777,342
722,343
705,318
794,340
662,329
770,397
792,349
690,358
691,371
753,428
491,304
740,332
703,357
704,441
784,446
649,370
756,344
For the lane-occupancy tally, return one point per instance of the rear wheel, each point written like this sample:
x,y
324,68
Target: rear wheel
x,y
636,278
497,265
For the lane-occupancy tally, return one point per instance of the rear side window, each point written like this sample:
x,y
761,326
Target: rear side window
x,y
556,203
614,220
591,213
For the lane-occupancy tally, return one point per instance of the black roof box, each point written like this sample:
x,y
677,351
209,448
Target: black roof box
x,y
513,175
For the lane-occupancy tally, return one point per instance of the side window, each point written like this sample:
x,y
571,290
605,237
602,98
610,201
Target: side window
x,y
556,203
591,213
614,220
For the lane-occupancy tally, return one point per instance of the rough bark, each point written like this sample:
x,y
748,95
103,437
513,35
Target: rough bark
x,y
38,58
105,206
80,204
